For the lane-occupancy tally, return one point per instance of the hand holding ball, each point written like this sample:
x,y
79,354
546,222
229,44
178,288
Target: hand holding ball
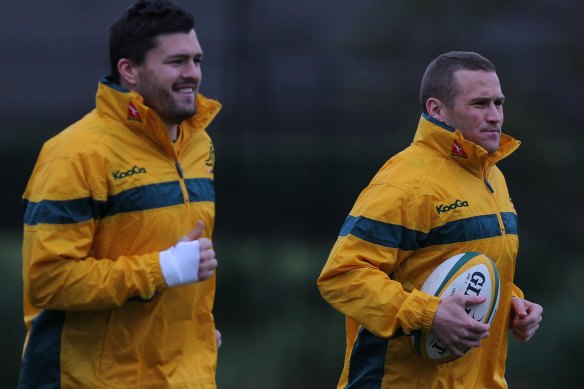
x,y
470,274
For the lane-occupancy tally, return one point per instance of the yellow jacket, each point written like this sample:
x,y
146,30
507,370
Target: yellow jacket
x,y
106,195
429,202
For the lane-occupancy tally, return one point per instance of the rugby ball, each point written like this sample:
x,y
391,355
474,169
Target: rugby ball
x,y
472,274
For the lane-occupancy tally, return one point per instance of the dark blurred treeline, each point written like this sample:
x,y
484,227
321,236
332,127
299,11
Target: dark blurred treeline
x,y
316,96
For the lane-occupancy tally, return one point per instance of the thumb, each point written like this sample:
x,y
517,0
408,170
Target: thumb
x,y
194,234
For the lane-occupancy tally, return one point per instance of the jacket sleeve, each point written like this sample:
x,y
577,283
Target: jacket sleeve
x,y
62,202
516,292
356,277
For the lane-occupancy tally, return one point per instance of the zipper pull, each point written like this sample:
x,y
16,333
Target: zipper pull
x,y
488,184
179,169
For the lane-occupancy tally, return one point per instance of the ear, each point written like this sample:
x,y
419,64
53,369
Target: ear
x,y
128,72
435,108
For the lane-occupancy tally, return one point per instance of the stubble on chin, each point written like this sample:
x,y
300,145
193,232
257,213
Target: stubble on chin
x,y
176,113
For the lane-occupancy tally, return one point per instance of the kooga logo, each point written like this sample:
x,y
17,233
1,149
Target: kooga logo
x,y
134,170
457,204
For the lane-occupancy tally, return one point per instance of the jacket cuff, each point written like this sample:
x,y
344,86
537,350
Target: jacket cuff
x,y
429,312
156,272
516,292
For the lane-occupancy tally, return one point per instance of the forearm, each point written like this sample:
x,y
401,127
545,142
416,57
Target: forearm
x,y
367,294
69,279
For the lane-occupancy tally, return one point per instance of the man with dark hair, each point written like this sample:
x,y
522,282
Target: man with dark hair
x,y
395,235
119,211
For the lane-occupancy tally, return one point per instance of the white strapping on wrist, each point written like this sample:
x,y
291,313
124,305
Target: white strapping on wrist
x,y
180,263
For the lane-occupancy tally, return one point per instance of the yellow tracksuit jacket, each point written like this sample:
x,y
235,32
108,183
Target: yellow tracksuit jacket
x,y
441,196
106,195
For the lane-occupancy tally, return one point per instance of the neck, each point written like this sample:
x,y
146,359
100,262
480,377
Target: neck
x,y
172,131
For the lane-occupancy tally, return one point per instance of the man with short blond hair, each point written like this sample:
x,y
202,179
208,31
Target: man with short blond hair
x,y
396,234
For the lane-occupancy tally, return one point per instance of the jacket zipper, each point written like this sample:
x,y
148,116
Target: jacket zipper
x,y
488,184
183,185
492,192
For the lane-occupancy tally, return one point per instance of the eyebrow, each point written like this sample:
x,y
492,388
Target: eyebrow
x,y
486,98
184,55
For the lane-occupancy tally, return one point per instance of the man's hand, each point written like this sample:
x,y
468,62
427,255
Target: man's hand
x,y
454,328
207,260
525,318
192,259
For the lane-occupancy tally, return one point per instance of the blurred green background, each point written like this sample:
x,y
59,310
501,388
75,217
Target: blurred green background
x,y
317,95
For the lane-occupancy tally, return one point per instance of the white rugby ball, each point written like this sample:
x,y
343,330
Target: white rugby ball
x,y
472,274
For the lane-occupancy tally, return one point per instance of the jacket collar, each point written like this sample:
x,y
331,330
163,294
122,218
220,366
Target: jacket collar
x,y
127,107
449,143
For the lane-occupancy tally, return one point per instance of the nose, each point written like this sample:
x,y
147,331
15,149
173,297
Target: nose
x,y
495,113
192,70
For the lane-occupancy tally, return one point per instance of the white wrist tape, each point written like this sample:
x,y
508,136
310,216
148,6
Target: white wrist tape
x,y
180,263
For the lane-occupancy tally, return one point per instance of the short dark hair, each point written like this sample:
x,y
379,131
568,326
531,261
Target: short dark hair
x,y
135,32
438,80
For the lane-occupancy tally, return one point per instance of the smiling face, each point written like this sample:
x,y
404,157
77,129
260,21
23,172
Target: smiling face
x,y
477,109
169,77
